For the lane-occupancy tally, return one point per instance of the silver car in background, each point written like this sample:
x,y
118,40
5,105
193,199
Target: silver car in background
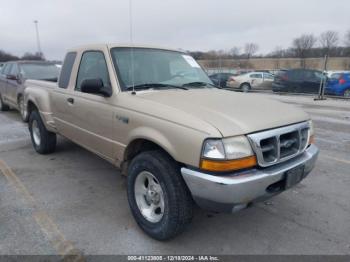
x,y
251,81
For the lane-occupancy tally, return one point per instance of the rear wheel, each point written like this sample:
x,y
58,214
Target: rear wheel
x,y
44,142
3,107
158,197
347,93
245,88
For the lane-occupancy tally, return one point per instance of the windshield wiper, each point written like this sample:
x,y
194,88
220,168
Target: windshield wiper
x,y
154,85
199,84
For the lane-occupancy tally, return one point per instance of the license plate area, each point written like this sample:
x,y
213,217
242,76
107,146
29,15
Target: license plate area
x,y
294,176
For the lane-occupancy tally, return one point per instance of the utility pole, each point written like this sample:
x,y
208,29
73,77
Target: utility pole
x,y
323,80
38,38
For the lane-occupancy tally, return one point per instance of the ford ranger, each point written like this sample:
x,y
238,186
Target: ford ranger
x,y
179,139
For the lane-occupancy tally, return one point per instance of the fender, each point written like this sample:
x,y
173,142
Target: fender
x,y
154,136
40,98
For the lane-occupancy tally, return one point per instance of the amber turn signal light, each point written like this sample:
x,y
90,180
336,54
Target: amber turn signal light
x,y
228,165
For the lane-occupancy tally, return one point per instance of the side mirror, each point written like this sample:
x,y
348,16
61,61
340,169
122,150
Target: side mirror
x,y
12,77
95,86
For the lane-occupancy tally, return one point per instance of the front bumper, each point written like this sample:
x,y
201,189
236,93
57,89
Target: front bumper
x,y
230,193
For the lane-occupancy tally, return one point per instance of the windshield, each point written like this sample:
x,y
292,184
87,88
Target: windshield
x,y
155,66
39,71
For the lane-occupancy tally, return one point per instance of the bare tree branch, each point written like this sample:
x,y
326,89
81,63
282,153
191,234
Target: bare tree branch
x,y
302,46
329,41
235,51
250,49
347,39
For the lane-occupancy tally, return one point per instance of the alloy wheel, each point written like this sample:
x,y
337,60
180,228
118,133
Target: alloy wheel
x,y
149,196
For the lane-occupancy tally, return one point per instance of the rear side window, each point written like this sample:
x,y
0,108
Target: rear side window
x,y
67,69
268,76
225,76
296,75
255,76
311,75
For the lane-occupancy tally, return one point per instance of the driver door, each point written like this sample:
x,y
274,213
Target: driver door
x,y
93,113
86,119
13,84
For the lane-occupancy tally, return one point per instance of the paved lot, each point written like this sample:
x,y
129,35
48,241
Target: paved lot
x,y
73,201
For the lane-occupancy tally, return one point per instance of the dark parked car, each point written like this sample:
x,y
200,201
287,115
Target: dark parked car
x,y
220,79
13,76
298,81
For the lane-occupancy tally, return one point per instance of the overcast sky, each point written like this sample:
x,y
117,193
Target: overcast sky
x,y
186,24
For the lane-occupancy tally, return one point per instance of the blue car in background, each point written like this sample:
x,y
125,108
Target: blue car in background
x,y
338,85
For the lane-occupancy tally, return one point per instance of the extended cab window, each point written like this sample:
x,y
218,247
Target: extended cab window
x,y
93,66
67,69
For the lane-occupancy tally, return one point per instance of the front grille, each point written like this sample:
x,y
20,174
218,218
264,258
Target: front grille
x,y
280,144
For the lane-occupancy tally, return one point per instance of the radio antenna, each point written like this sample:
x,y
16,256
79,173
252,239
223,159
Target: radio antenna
x,y
132,47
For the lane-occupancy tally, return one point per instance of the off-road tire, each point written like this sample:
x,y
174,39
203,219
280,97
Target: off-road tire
x,y
48,139
178,203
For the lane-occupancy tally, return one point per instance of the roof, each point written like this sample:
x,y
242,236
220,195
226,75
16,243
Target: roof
x,y
30,62
112,45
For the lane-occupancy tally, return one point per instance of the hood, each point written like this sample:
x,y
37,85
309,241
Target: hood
x,y
231,113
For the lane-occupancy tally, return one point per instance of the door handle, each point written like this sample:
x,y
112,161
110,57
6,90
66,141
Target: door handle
x,y
70,100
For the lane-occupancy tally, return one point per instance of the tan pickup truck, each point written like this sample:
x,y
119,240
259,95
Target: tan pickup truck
x,y
155,114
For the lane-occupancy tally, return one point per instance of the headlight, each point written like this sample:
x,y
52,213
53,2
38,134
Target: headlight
x,y
227,154
311,133
237,147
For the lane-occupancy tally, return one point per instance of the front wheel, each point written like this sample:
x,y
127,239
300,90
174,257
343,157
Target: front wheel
x,y
44,142
158,197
